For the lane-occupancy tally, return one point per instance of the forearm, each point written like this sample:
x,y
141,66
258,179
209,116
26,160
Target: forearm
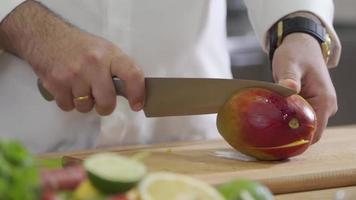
x,y
26,30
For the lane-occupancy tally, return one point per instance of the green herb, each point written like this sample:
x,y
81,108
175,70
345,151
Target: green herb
x,y
19,179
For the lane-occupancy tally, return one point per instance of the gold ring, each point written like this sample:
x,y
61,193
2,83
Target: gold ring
x,y
81,98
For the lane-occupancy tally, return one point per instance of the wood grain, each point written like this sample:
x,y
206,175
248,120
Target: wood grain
x,y
344,193
329,163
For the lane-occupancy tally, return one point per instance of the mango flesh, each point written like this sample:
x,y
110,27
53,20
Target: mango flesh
x,y
263,124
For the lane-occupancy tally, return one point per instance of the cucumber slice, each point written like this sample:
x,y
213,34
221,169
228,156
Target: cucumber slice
x,y
111,173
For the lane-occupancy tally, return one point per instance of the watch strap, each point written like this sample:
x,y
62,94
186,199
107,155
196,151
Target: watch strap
x,y
293,25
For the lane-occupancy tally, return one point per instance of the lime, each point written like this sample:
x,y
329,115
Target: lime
x,y
112,173
164,186
245,190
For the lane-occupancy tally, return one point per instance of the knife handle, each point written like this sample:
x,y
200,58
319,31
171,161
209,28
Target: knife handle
x,y
119,87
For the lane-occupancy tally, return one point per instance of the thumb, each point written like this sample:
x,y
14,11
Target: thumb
x,y
290,83
288,76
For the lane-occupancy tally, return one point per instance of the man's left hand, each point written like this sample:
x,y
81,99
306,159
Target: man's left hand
x,y
298,63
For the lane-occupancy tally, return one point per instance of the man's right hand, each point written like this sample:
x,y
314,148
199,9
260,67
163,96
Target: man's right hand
x,y
70,63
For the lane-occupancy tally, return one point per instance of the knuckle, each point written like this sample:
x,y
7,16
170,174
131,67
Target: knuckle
x,y
124,61
135,73
92,57
72,73
96,54
331,103
123,58
110,47
336,108
66,75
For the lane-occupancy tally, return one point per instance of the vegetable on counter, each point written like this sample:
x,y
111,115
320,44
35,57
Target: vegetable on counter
x,y
67,178
245,189
111,173
166,185
107,176
19,178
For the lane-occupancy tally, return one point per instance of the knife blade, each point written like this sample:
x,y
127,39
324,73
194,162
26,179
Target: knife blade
x,y
187,96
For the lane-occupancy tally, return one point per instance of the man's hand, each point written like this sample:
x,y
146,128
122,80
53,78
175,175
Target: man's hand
x,y
71,63
298,63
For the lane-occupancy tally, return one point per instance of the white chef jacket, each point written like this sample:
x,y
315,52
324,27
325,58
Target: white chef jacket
x,y
167,38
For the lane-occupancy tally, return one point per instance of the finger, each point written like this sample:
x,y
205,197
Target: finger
x,y
103,91
124,68
83,100
322,121
61,94
286,73
64,99
322,117
320,128
290,83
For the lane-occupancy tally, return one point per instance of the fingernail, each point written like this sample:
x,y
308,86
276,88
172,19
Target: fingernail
x,y
137,106
290,83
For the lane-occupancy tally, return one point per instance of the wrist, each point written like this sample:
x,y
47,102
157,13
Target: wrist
x,y
302,39
304,43
298,24
293,15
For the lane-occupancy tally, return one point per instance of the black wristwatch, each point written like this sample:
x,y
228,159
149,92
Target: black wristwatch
x,y
299,24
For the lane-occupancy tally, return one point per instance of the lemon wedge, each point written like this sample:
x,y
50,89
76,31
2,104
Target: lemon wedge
x,y
165,185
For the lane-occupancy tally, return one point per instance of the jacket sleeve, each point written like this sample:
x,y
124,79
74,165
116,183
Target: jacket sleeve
x,y
264,13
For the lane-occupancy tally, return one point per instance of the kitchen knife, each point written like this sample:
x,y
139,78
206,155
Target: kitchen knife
x,y
187,96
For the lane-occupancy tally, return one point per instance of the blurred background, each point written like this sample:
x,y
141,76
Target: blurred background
x,y
249,62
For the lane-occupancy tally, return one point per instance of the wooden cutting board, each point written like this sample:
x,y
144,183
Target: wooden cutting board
x,y
328,164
